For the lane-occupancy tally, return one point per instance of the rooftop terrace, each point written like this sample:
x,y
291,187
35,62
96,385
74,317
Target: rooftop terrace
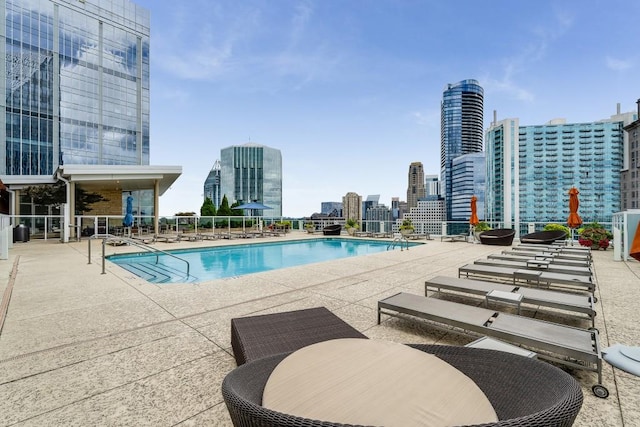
x,y
84,348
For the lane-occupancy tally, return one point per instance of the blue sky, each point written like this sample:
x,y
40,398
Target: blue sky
x,y
350,90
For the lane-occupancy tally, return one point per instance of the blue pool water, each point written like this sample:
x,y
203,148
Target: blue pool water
x,y
229,261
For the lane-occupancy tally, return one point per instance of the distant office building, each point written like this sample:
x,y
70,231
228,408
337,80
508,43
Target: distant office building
x,y
375,215
502,152
554,157
331,207
371,202
468,179
462,114
395,208
415,189
352,206
212,185
630,176
427,217
432,185
252,173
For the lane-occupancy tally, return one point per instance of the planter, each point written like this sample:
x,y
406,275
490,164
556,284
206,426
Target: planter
x,y
351,231
406,232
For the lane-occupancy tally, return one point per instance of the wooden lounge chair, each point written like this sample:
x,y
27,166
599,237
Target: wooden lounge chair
x,y
498,237
582,304
573,347
531,277
523,391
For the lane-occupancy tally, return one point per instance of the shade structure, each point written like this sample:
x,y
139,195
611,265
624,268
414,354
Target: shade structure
x,y
473,219
574,219
634,249
128,218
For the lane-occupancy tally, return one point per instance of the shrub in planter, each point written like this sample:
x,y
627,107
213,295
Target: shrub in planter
x,y
554,227
595,236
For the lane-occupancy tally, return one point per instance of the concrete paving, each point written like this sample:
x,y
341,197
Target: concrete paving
x,y
78,347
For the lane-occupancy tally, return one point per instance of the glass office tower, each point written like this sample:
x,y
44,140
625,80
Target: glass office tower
x,y
468,179
461,131
212,185
252,173
76,86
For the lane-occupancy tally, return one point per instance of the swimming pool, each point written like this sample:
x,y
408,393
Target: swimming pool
x,y
218,262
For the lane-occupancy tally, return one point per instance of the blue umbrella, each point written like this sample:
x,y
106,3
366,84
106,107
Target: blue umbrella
x,y
128,218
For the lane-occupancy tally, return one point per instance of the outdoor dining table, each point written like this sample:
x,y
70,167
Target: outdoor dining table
x,y
374,382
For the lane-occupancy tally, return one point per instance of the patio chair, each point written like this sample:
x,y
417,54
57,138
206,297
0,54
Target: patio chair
x,y
332,230
543,237
522,391
553,260
573,347
498,236
582,304
538,264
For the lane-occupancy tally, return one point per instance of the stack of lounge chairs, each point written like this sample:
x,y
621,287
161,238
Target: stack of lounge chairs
x,y
534,279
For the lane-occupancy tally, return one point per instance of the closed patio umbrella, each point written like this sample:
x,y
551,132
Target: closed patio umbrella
x,y
574,219
473,220
634,250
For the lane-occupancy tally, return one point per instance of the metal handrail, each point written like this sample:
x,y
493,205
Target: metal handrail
x,y
107,237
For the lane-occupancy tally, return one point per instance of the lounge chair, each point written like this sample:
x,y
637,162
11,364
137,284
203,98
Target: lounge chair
x,y
332,230
462,237
543,265
498,236
167,238
550,258
523,391
574,347
556,254
583,304
543,237
529,276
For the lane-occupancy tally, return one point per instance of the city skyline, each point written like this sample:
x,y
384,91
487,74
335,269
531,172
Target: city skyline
x,y
350,92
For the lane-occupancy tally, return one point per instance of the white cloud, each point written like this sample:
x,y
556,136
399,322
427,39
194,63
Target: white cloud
x,y
618,64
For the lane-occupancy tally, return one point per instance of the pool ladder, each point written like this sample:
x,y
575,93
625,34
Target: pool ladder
x,y
110,237
398,240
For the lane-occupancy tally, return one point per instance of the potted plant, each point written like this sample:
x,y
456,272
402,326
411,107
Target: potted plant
x,y
479,228
595,236
351,225
310,227
406,228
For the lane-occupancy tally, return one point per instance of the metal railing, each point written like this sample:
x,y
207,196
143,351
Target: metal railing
x,y
107,237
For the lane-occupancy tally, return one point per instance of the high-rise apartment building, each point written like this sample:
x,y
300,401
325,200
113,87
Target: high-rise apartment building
x,y
352,206
427,217
630,176
468,179
76,85
74,101
331,208
415,188
552,158
212,185
252,173
502,152
461,131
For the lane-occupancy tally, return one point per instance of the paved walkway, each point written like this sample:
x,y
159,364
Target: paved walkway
x,y
78,347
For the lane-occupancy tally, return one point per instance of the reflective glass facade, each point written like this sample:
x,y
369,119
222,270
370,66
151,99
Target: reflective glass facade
x,y
556,157
468,179
461,128
76,87
212,185
251,173
503,176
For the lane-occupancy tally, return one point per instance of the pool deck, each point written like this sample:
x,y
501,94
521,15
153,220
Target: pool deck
x,y
78,347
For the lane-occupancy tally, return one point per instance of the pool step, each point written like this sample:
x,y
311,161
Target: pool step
x,y
157,273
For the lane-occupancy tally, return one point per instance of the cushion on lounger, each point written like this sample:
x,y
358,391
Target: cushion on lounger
x,y
623,357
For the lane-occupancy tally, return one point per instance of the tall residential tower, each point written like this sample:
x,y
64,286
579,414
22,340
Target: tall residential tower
x,y
461,132
415,189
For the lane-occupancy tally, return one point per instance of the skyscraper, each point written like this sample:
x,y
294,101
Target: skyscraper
x,y
252,173
75,86
415,188
461,132
212,185
468,179
352,206
630,176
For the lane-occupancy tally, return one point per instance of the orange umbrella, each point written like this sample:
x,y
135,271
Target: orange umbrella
x,y
473,220
634,252
574,219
